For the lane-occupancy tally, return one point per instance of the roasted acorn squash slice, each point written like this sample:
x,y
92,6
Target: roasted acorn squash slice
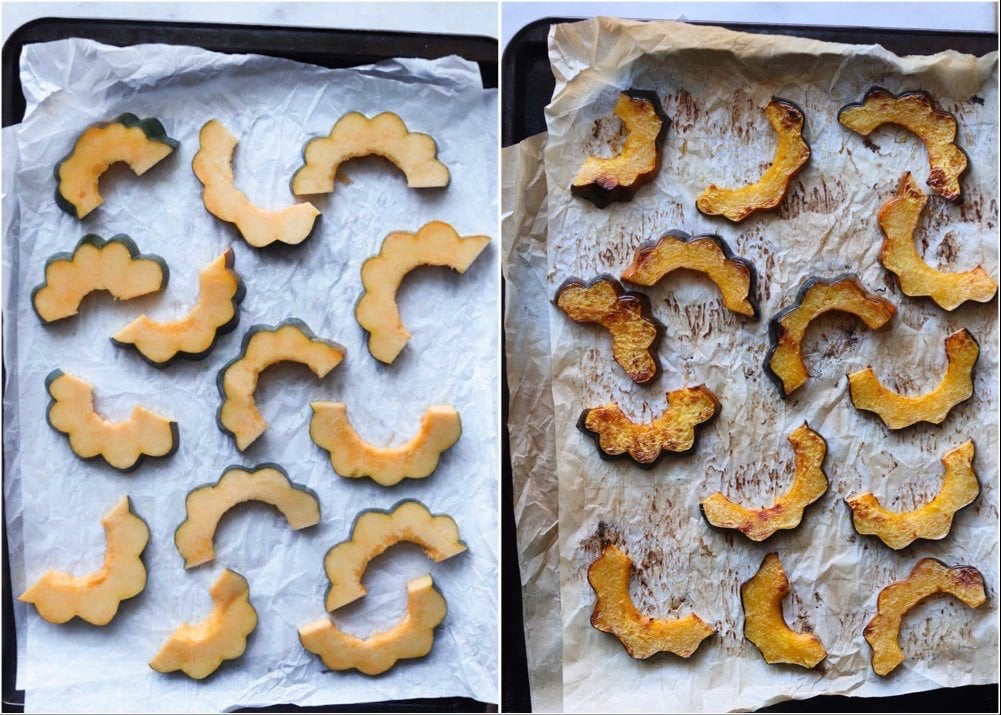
x,y
898,411
791,154
604,180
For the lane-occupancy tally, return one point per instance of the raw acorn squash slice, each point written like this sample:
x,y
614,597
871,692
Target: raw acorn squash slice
x,y
198,649
764,624
435,244
916,112
140,143
674,430
786,331
355,135
898,411
121,444
193,336
624,314
206,505
809,483
352,457
58,596
735,277
933,521
928,578
412,637
264,346
899,220
115,265
791,154
614,612
618,178
213,165
373,532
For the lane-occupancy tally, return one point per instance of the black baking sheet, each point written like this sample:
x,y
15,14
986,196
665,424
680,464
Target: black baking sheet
x,y
325,47
526,88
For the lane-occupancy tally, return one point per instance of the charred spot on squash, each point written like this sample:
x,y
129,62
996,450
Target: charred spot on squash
x,y
791,154
898,411
605,180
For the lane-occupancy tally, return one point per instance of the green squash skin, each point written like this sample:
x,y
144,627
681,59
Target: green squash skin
x,y
251,332
96,241
241,293
174,433
151,127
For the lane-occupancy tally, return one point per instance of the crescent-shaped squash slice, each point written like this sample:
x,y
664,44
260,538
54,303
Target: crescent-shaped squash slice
x,y
928,578
898,411
121,444
624,314
58,596
412,637
213,165
205,506
735,277
916,112
809,483
604,180
264,346
115,265
784,363
674,430
198,649
355,135
140,143
373,532
899,220
931,521
791,154
352,457
193,336
764,624
614,612
435,244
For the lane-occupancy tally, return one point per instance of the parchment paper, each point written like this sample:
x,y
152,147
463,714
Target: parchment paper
x,y
54,501
714,84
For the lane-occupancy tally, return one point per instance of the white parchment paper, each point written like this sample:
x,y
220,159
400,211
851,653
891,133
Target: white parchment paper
x,y
714,85
54,501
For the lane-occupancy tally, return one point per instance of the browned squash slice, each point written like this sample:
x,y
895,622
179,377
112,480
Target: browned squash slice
x,y
435,244
928,578
59,596
355,135
764,624
898,411
373,532
791,154
673,431
198,649
809,483
614,612
604,180
353,457
625,315
933,521
735,277
899,220
916,112
786,331
213,165
412,637
193,336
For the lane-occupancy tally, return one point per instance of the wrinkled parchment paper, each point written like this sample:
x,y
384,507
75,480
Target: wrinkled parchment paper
x,y
714,84
54,501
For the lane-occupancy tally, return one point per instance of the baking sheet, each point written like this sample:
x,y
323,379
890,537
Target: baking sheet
x,y
715,84
274,106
